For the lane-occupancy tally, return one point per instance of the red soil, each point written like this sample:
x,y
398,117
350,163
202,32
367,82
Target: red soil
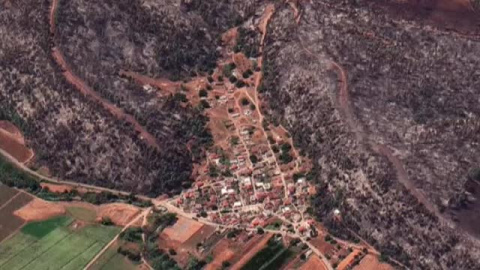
x,y
16,149
81,86
251,252
314,263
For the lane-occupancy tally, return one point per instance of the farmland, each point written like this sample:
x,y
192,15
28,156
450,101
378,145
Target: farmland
x,y
10,201
112,260
266,256
58,243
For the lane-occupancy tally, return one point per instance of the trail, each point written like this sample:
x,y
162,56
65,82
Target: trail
x,y
81,86
116,238
346,110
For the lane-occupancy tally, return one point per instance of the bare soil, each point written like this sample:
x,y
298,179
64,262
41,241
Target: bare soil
x,y
119,213
182,230
252,251
12,141
13,130
38,210
221,253
57,188
348,260
371,262
314,263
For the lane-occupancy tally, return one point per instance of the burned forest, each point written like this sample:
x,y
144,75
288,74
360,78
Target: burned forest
x,y
382,98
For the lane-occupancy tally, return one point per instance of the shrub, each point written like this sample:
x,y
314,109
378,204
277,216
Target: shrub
x,y
106,221
203,93
240,84
180,97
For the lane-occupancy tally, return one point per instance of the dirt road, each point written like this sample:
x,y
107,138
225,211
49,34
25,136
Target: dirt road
x,y
347,112
83,88
145,212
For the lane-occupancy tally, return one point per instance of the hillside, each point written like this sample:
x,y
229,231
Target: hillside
x,y
387,109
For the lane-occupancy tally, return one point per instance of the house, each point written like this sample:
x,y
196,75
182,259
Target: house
x,y
237,204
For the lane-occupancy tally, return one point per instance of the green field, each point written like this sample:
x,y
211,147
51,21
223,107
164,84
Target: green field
x,y
112,260
267,255
54,244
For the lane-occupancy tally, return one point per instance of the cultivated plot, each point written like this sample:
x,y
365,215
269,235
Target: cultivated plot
x,y
58,243
13,200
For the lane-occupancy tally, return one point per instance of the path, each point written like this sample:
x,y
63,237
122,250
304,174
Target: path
x,y
83,88
116,238
346,110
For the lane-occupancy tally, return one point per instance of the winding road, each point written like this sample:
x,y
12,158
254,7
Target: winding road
x,y
347,111
87,91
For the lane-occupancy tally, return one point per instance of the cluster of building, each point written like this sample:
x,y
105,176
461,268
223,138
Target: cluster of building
x,y
245,183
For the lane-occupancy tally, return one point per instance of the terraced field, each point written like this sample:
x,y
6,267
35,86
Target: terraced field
x,y
58,243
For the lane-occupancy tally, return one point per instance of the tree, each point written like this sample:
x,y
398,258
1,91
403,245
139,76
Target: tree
x,y
107,221
253,159
226,264
245,101
172,252
205,104
260,230
180,97
286,147
286,158
203,93
234,140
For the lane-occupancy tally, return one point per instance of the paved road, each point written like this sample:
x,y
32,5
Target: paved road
x,y
35,174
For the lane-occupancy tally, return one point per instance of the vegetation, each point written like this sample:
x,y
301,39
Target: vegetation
x,y
82,213
7,113
264,256
132,234
131,254
41,228
247,42
203,93
228,69
13,177
53,245
180,97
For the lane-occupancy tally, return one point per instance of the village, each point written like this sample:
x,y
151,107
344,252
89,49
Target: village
x,y
253,175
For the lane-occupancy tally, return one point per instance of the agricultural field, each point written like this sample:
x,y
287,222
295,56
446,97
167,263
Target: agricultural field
x,y
82,213
10,201
270,257
184,237
313,263
57,243
112,260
